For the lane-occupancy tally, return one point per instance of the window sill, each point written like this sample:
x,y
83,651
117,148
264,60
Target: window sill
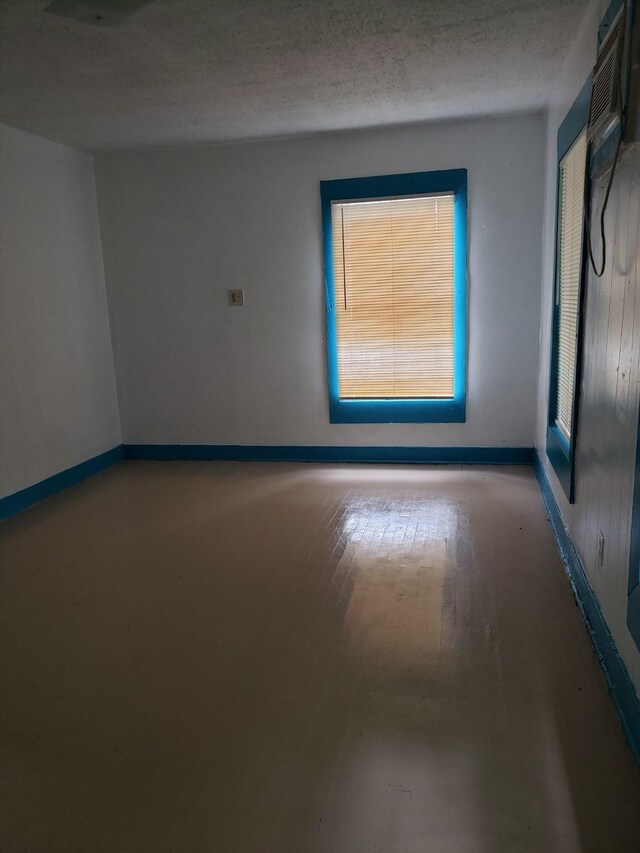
x,y
448,411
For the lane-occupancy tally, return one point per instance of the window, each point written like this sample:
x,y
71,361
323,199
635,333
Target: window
x,y
568,276
569,271
395,274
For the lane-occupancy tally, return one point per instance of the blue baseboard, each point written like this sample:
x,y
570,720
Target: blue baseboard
x,y
19,501
25,498
621,688
301,453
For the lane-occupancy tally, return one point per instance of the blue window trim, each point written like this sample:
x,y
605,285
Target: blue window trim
x,y
451,410
608,18
560,452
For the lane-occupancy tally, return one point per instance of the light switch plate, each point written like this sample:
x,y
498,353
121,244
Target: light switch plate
x,y
236,297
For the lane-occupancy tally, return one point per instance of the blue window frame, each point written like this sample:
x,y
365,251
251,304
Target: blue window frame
x,y
422,410
560,449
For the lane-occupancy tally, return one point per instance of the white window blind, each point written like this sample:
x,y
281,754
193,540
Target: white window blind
x,y
394,297
569,260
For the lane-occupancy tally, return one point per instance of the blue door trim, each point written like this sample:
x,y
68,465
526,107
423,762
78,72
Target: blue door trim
x,y
19,501
621,688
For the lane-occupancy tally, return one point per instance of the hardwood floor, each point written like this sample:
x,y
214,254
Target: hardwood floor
x,y
301,659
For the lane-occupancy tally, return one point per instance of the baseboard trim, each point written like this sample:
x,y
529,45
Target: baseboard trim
x,y
25,498
302,453
621,688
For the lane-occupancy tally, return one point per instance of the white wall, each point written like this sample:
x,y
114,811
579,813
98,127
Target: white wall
x,y
57,389
181,226
608,417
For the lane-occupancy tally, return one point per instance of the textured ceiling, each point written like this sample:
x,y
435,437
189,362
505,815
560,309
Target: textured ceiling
x,y
185,71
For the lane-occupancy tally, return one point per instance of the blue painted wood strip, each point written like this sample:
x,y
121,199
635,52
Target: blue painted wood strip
x,y
607,19
25,498
575,119
633,614
621,688
561,456
299,453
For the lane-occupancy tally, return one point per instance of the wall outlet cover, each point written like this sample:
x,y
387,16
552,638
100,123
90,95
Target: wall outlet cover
x,y
236,297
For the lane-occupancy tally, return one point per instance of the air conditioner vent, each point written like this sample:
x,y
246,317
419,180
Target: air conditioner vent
x,y
605,91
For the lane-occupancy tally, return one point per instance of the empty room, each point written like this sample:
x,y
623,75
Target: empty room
x,y
319,426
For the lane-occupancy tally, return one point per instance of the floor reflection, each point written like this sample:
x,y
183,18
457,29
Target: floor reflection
x,y
302,659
